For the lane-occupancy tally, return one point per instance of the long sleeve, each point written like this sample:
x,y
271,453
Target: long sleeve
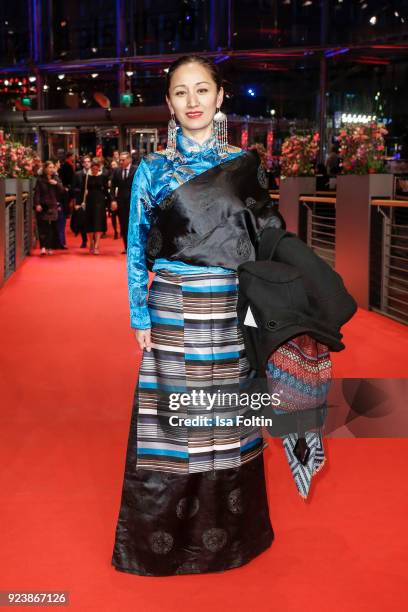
x,y
139,224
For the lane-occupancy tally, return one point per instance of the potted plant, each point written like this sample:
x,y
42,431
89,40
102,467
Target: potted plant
x,y
362,178
16,169
298,162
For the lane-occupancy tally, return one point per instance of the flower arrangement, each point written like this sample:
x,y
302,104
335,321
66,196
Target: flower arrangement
x,y
362,149
299,155
16,160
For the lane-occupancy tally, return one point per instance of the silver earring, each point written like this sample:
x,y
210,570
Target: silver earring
x,y
171,137
221,132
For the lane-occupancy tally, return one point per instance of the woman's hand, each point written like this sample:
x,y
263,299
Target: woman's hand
x,y
38,208
143,337
52,181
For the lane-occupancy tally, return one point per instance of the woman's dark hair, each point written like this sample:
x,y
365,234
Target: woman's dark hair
x,y
197,59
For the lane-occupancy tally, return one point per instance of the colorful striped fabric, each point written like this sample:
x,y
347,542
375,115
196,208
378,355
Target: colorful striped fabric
x,y
301,370
196,345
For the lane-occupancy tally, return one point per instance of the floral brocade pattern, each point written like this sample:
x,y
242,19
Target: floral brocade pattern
x,y
153,183
205,525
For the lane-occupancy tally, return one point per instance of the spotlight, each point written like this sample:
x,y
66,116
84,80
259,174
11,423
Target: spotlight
x,y
59,88
129,73
373,20
396,13
45,87
6,83
61,76
273,111
94,75
32,79
94,49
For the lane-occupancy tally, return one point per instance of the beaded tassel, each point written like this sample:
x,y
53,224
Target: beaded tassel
x,y
171,137
221,132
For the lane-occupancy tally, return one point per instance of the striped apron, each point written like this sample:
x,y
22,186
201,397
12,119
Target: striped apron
x,y
196,344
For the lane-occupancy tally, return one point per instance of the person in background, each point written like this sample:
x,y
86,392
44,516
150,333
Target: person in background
x,y
333,161
95,194
67,174
105,169
322,178
121,187
260,149
67,171
62,208
113,165
113,213
47,194
78,214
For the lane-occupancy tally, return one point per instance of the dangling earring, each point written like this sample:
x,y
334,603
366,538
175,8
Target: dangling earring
x,y
171,137
221,132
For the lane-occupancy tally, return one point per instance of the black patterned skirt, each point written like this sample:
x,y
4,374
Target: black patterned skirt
x,y
192,502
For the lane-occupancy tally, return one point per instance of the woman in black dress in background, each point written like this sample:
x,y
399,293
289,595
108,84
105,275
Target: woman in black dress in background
x,y
96,196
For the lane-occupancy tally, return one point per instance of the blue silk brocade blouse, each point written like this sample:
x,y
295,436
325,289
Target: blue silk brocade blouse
x,y
156,177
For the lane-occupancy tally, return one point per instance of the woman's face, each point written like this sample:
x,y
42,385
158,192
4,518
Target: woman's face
x,y
94,170
193,96
50,170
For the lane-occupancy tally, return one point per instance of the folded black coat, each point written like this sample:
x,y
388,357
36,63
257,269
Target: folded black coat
x,y
290,291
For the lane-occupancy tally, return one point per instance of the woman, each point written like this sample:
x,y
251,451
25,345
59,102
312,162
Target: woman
x,y
113,213
48,192
95,196
193,499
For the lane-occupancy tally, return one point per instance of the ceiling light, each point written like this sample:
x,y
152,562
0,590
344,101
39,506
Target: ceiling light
x,y
94,75
373,20
61,76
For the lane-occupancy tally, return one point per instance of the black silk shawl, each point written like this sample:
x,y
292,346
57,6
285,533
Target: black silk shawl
x,y
215,218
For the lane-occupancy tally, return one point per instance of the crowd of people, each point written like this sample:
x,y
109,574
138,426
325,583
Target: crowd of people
x,y
91,190
89,195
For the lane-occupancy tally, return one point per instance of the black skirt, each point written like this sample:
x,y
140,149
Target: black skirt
x,y
95,211
173,524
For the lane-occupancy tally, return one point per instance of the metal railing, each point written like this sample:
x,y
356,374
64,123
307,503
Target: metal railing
x,y
320,228
392,277
16,224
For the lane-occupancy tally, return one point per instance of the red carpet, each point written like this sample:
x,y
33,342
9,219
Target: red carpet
x,y
68,369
